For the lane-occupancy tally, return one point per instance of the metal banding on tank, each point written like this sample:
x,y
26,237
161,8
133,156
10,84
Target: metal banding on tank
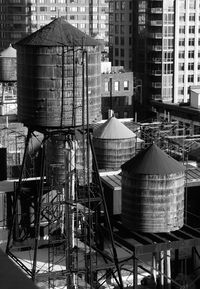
x,y
153,192
8,65
52,77
114,144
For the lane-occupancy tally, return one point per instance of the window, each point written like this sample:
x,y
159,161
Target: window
x,y
191,54
82,9
73,9
122,52
182,30
191,78
116,85
52,8
182,42
181,78
182,17
126,85
191,66
191,42
192,4
191,29
192,17
106,86
180,90
181,54
116,52
181,67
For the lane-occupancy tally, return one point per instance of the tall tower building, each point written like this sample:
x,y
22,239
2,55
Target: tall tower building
x,y
21,17
165,47
120,33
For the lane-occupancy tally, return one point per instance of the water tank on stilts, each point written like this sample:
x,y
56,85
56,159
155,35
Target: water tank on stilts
x,y
56,65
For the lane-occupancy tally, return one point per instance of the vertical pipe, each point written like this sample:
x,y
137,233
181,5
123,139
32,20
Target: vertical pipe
x,y
135,271
111,104
162,269
38,212
168,268
63,85
154,271
176,262
69,211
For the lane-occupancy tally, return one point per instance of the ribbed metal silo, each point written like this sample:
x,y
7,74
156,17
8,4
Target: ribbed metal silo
x,y
58,149
55,66
114,144
153,192
8,65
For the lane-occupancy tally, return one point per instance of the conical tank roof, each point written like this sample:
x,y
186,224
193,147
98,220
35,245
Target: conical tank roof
x,y
58,33
113,129
153,161
9,52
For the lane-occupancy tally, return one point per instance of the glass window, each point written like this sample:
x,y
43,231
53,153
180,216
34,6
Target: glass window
x,y
191,29
116,85
191,54
182,42
126,85
181,54
191,78
191,42
181,67
191,66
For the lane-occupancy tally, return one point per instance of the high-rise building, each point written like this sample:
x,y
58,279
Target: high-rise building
x,y
21,17
165,46
120,33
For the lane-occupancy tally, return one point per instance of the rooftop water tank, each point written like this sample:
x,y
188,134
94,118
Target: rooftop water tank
x,y
8,65
114,144
52,65
153,192
58,158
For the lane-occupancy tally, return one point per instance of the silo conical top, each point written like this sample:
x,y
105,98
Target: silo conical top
x,y
113,129
58,33
152,161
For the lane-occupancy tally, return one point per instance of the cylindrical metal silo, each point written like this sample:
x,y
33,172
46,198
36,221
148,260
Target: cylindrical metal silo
x,y
58,149
114,144
8,65
56,66
153,192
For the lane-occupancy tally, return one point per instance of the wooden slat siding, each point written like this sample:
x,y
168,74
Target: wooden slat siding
x,y
153,203
112,153
43,106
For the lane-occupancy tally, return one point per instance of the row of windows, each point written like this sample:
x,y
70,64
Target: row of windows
x,y
191,42
190,66
191,29
192,17
192,4
182,54
117,85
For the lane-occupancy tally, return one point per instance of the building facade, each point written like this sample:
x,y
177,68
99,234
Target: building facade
x,y
120,33
117,93
21,17
165,47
